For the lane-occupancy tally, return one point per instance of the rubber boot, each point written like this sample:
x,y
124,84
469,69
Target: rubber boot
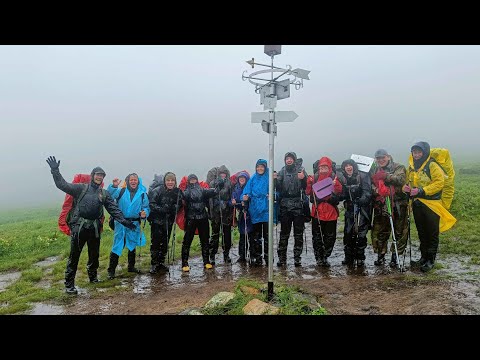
x,y
112,266
131,262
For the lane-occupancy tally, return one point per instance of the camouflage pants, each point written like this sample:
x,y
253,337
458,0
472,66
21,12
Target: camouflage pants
x,y
382,229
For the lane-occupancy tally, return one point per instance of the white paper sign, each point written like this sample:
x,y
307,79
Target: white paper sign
x,y
364,162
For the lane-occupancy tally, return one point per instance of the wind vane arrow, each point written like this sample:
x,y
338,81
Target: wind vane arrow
x,y
253,63
301,73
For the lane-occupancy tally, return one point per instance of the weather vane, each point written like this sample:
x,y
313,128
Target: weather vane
x,y
271,90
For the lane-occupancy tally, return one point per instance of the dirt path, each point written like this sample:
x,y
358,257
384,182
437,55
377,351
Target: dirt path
x,y
341,290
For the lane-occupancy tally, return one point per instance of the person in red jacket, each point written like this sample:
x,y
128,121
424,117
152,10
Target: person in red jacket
x,y
324,213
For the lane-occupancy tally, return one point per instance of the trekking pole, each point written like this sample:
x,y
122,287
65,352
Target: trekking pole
x,y
394,240
247,255
172,248
409,239
356,218
221,220
304,232
318,218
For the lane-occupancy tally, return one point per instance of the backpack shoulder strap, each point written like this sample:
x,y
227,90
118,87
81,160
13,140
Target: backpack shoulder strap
x,y
82,194
121,194
104,195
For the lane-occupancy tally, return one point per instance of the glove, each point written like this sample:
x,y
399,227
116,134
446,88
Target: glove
x,y
381,175
129,224
383,190
53,163
354,190
406,189
332,200
415,192
221,183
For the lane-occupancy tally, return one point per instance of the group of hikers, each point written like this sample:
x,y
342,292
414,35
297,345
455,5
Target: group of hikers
x,y
380,199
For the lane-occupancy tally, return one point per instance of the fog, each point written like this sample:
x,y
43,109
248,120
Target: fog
x,y
152,109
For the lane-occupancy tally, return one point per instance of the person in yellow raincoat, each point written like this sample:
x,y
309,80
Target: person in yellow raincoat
x,y
426,180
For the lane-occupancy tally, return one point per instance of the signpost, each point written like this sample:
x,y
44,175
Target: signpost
x,y
271,90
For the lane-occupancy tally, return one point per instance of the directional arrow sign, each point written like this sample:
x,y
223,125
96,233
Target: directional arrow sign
x,y
280,116
301,73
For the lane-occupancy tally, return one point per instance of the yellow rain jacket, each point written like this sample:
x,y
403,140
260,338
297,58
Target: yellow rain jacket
x,y
433,190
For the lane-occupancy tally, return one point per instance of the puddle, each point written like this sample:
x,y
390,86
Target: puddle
x,y
146,283
45,309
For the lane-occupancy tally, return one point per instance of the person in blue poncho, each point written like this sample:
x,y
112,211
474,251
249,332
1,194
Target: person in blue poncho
x,y
133,201
256,194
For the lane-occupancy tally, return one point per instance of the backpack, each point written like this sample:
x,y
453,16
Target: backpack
x,y
157,182
69,204
181,214
442,157
234,177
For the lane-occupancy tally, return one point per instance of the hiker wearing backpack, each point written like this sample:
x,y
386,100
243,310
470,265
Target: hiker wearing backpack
x,y
84,220
324,212
255,197
245,226
165,202
356,194
426,181
196,200
132,199
388,177
221,214
291,182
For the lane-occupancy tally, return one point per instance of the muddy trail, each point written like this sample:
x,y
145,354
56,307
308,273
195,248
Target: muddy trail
x,y
452,289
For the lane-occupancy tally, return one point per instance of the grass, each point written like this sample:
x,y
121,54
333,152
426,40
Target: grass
x,y
29,236
289,299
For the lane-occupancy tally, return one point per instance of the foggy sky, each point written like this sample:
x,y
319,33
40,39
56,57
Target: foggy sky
x,y
152,109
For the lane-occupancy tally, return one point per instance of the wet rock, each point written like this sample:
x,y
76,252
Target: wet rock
x,y
48,261
312,301
257,307
248,290
191,311
7,278
220,299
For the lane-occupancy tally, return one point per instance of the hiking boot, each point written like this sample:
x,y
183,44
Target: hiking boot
x,y
380,260
154,269
94,279
419,262
360,262
71,290
111,275
281,263
242,260
258,262
393,261
427,266
325,262
297,262
134,270
226,259
162,268
208,266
